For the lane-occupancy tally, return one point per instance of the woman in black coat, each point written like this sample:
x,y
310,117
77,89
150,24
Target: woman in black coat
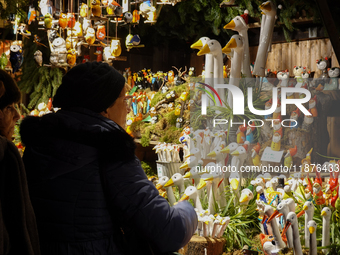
x,y
18,229
87,187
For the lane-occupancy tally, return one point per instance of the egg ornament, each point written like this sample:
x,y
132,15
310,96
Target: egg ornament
x,y
107,53
128,17
63,20
96,9
116,48
71,42
135,40
38,57
90,36
84,10
71,20
101,32
48,20
71,57
15,57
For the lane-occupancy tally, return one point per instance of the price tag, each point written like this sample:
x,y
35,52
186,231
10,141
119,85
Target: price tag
x,y
271,156
160,171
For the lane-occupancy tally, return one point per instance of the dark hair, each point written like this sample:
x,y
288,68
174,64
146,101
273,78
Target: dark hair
x,y
9,91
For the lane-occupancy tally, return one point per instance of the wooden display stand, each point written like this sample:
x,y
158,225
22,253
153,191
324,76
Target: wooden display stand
x,y
199,245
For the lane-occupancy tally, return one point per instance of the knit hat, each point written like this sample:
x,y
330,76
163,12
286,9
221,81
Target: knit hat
x,y
91,85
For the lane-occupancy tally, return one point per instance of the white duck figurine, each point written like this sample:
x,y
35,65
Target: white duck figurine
x,y
308,207
227,150
215,179
268,8
235,43
293,222
290,203
246,195
191,192
311,226
177,180
284,210
162,181
209,62
238,24
326,214
214,47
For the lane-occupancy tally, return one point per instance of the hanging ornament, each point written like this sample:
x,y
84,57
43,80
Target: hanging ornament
x,y
128,17
71,42
46,6
96,9
38,57
105,2
135,16
31,15
63,20
86,24
15,57
84,10
101,32
99,53
135,40
127,40
59,47
71,57
86,58
116,49
78,29
71,20
48,20
90,36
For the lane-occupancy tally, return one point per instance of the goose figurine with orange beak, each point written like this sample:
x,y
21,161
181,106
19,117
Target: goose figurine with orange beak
x,y
292,221
161,182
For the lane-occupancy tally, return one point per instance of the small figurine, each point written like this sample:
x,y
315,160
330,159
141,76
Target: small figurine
x,y
101,32
241,138
283,77
250,134
288,161
48,20
84,9
71,57
333,74
31,14
297,71
116,49
305,76
59,47
78,31
71,20
267,106
135,17
322,65
255,155
38,57
317,190
277,112
15,57
135,40
295,116
90,36
46,6
276,141
312,106
96,9
63,20
128,17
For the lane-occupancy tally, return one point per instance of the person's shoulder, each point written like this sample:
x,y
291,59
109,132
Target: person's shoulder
x,y
3,146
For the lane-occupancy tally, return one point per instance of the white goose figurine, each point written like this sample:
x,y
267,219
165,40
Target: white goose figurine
x,y
311,226
326,214
214,47
308,207
215,178
267,28
290,203
235,43
283,208
191,192
162,181
268,210
227,150
238,24
177,180
293,222
209,62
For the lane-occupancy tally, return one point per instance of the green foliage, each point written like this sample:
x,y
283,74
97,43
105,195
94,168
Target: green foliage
x,y
149,168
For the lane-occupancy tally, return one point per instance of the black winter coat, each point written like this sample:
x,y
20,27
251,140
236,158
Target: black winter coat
x,y
65,152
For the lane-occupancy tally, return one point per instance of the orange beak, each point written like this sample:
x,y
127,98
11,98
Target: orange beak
x,y
276,212
264,219
300,214
288,223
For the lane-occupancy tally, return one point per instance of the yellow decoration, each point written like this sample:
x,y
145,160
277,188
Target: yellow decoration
x,y
116,48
